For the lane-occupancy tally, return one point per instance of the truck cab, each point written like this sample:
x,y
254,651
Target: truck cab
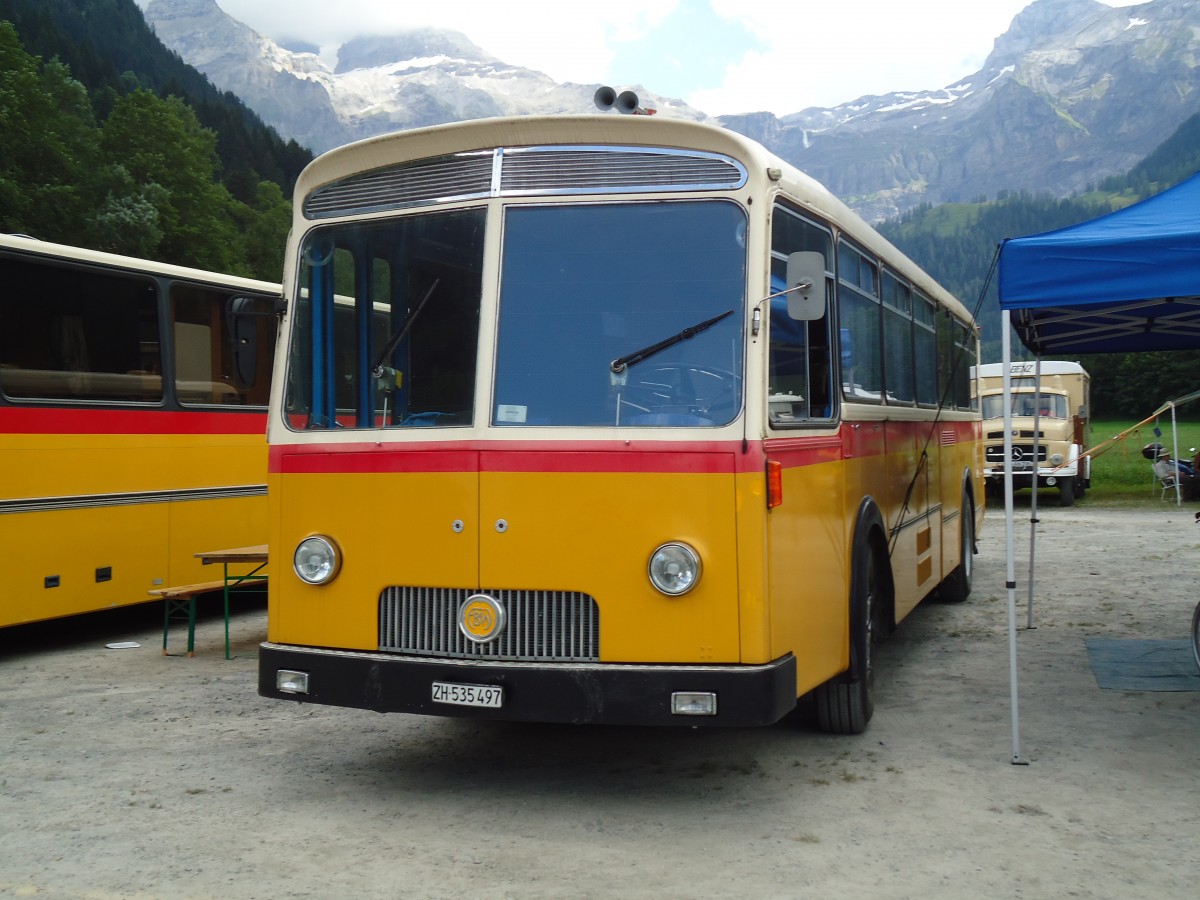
x,y
1050,427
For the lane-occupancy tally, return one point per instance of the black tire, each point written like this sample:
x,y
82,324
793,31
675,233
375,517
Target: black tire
x,y
957,586
1196,635
844,704
1066,491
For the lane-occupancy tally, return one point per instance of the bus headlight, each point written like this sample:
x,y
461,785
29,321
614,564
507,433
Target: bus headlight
x,y
1056,459
674,568
317,560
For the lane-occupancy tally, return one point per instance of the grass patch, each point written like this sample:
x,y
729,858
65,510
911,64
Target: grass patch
x,y
1120,474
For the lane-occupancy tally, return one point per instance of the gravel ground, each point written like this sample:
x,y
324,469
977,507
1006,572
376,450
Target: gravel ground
x,y
127,774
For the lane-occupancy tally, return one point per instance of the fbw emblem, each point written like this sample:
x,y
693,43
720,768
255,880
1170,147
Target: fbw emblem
x,y
481,618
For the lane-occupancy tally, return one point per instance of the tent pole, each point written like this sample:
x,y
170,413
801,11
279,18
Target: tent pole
x,y
1034,476
1175,455
1011,567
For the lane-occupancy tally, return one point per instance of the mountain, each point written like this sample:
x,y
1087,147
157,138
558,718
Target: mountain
x,y
1073,92
380,83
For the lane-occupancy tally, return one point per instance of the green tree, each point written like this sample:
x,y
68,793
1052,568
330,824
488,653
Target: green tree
x,y
161,143
265,231
48,145
127,221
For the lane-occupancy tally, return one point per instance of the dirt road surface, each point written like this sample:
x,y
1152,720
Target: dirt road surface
x,y
127,774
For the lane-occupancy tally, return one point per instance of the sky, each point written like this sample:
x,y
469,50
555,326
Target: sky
x,y
719,56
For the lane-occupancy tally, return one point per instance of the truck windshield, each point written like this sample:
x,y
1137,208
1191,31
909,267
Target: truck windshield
x,y
1048,406
621,314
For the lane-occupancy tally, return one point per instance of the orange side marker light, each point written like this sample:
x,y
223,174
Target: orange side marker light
x,y
774,483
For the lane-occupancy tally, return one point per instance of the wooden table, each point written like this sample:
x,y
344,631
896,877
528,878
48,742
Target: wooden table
x,y
254,556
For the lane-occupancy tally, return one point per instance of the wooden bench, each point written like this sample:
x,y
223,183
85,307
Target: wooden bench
x,y
181,604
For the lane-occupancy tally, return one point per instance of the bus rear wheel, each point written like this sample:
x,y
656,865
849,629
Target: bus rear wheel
x,y
957,586
844,704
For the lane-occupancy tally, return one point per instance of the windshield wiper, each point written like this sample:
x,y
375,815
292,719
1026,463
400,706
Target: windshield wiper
x,y
621,363
394,341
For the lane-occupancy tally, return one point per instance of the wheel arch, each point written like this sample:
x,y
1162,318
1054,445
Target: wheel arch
x,y
968,491
871,531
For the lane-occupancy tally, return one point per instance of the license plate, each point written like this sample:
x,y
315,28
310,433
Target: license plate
x,y
468,694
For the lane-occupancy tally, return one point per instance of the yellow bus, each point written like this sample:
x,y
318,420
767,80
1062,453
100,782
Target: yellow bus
x,y
632,423
132,424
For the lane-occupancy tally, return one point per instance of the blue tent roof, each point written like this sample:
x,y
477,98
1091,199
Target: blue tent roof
x,y
1127,281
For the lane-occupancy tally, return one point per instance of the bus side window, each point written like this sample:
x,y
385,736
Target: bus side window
x,y
77,335
222,346
800,363
859,312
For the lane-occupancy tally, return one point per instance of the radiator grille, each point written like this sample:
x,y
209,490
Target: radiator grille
x,y
999,435
443,178
561,626
522,172
588,170
1020,452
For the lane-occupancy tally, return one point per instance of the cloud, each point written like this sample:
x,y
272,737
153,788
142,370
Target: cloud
x,y
826,53
569,42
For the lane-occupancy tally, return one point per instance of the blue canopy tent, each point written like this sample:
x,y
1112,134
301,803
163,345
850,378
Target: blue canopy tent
x,y
1125,282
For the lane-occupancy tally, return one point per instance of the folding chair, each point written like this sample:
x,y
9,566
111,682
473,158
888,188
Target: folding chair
x,y
1167,484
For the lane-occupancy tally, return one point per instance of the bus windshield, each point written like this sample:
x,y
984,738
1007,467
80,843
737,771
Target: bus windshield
x,y
621,314
387,323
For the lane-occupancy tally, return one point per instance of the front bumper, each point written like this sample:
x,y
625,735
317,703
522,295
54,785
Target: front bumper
x,y
575,693
1023,477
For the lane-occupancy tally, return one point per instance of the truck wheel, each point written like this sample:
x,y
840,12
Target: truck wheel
x,y
1066,491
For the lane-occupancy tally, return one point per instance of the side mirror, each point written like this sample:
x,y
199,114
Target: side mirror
x,y
243,313
805,285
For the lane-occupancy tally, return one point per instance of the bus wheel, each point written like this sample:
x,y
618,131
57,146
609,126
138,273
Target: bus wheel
x,y
844,703
1066,491
957,586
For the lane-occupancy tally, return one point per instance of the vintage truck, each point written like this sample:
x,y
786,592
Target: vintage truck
x,y
1058,412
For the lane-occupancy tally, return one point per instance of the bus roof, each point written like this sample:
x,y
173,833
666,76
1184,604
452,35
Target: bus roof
x,y
34,247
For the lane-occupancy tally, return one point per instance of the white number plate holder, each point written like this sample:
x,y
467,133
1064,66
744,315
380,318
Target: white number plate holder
x,y
486,695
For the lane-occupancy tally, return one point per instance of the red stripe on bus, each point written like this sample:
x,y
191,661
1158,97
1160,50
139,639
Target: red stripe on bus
x,y
792,452
63,420
704,457
854,440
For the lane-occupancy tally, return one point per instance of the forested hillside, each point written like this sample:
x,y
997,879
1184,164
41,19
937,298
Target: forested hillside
x,y
108,140
956,243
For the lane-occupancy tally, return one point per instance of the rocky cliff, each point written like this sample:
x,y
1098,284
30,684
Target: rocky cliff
x,y
1072,92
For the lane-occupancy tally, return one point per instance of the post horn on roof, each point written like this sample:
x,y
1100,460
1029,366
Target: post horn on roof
x,y
626,102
